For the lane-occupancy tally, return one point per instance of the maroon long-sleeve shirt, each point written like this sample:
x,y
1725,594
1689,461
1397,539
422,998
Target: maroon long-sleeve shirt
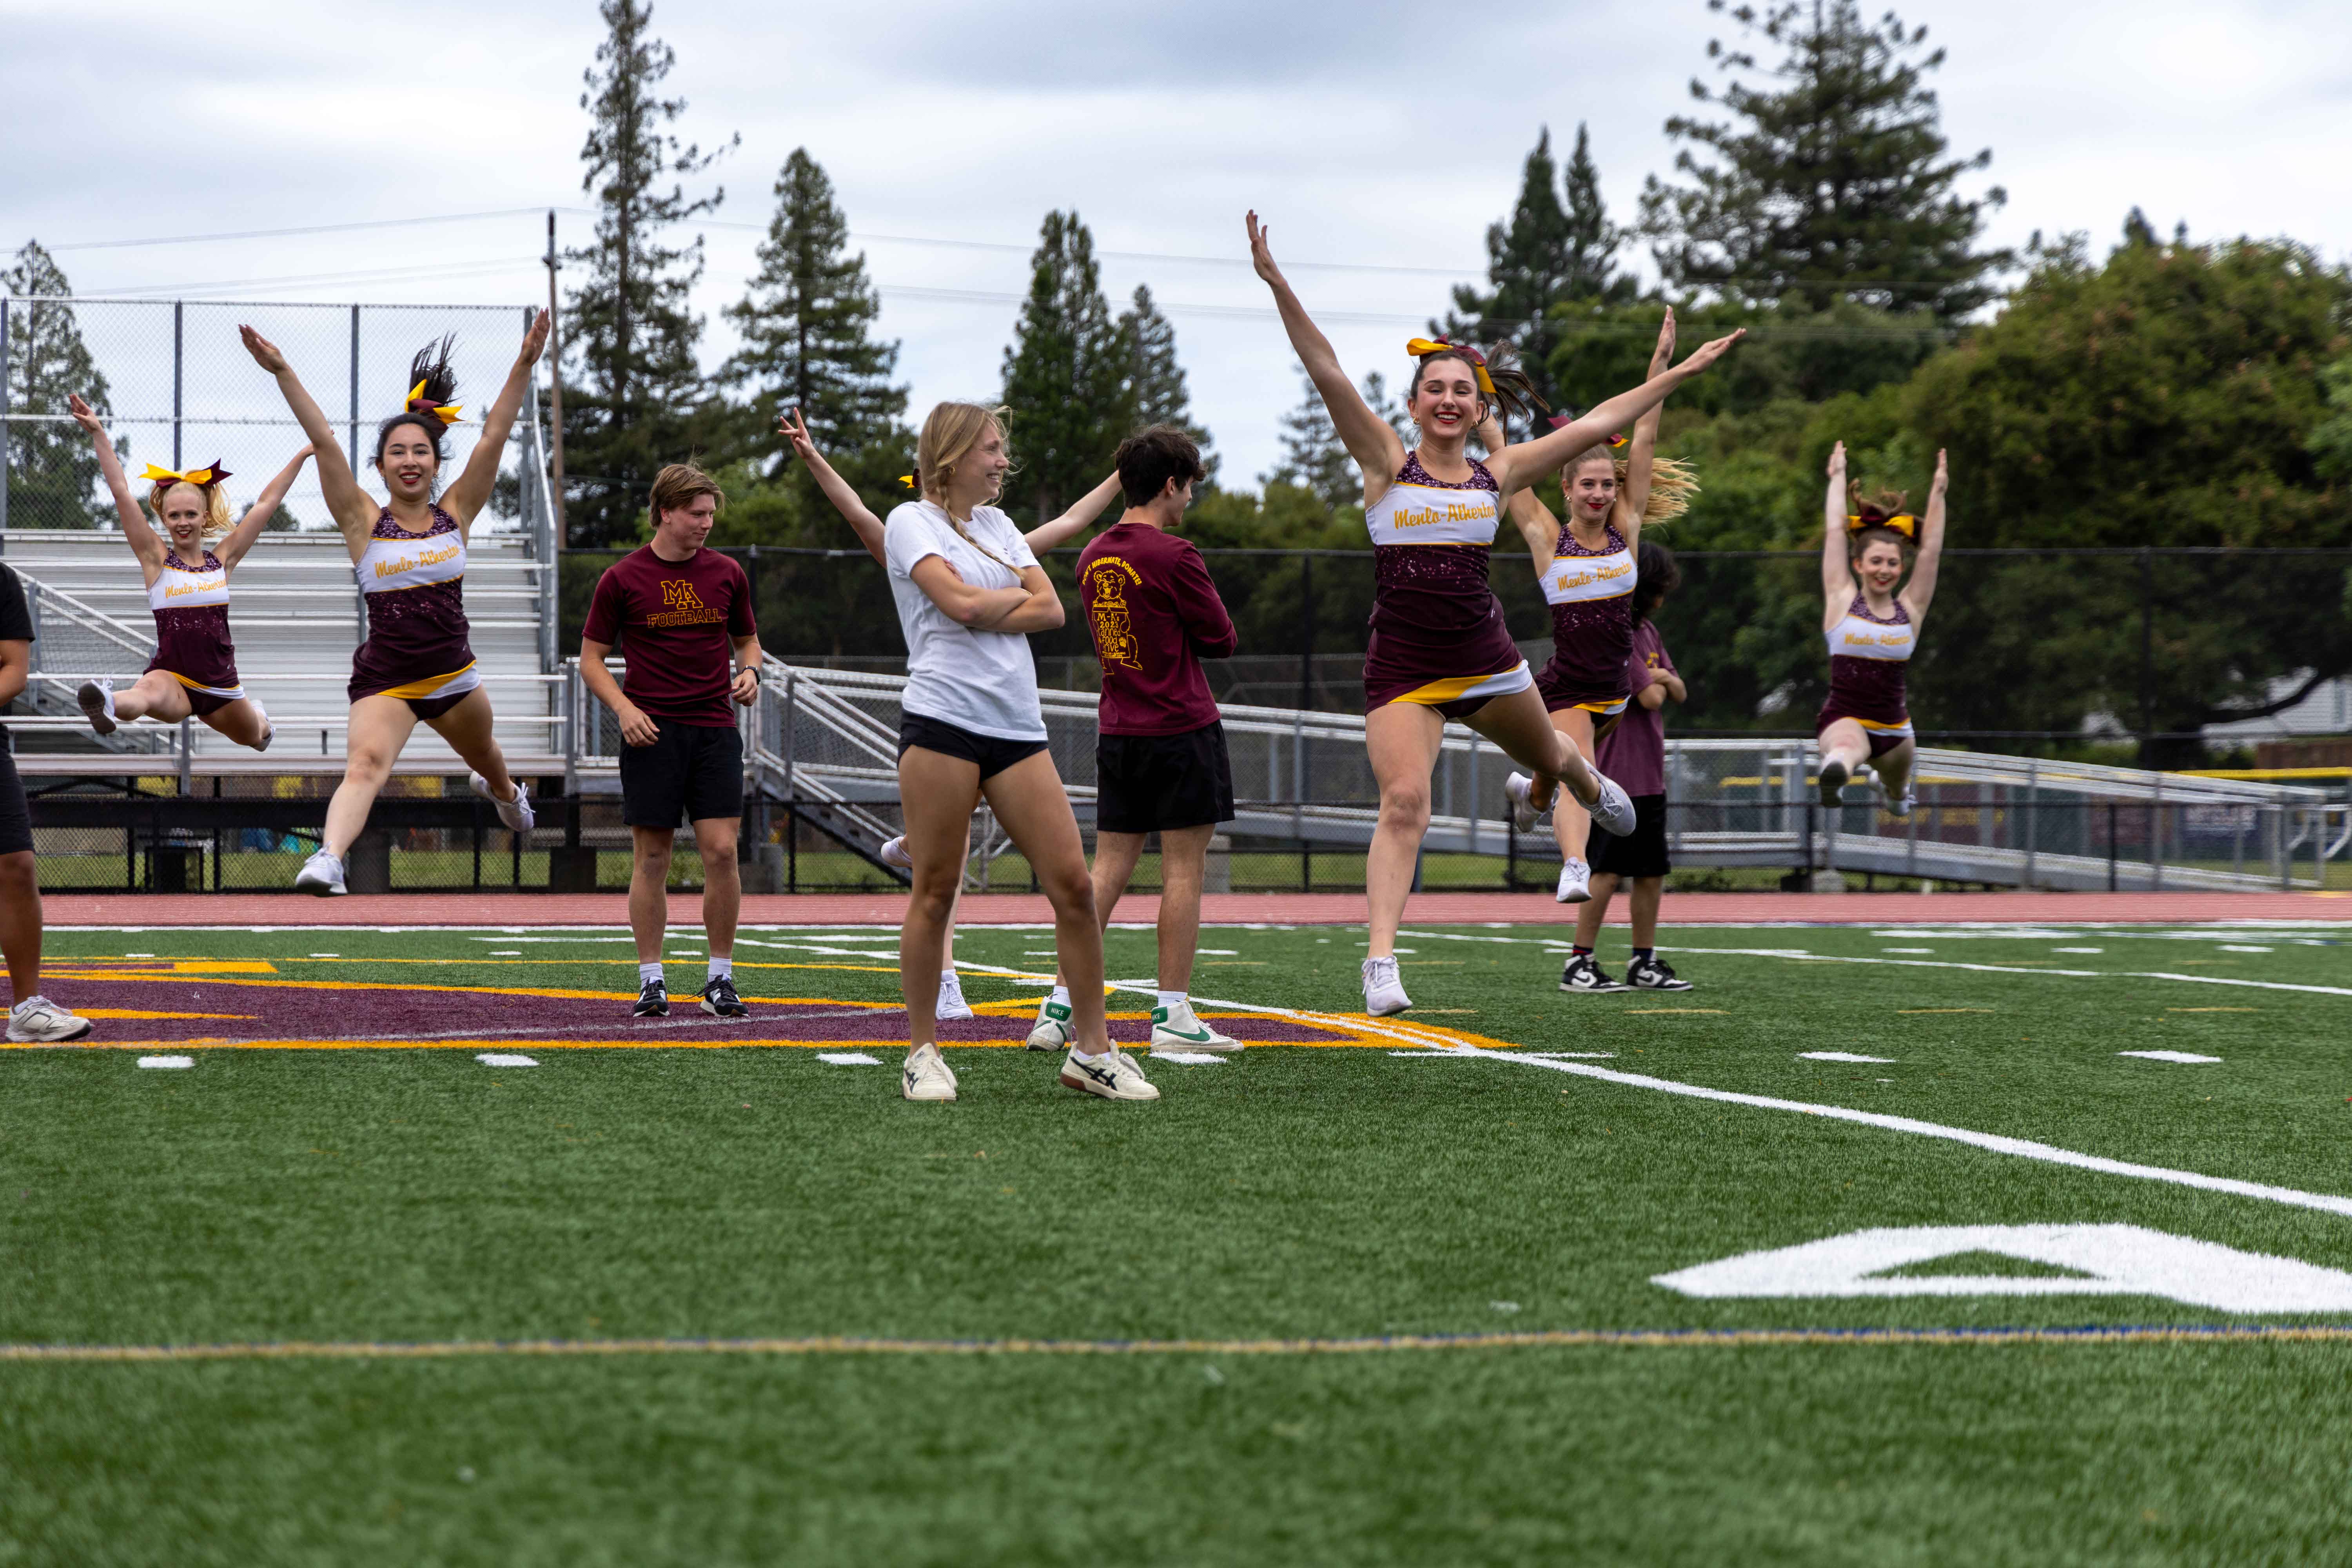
x,y
1155,616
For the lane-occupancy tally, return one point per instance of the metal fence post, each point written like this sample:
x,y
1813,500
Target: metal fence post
x,y
179,367
2156,834
355,389
2032,814
6,441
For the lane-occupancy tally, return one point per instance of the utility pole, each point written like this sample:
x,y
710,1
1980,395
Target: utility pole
x,y
555,381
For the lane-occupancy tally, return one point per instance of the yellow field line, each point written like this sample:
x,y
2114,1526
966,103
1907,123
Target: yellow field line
x,y
835,1344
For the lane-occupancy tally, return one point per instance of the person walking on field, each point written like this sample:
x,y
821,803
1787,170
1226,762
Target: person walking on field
x,y
1634,753
1160,764
682,615
33,1018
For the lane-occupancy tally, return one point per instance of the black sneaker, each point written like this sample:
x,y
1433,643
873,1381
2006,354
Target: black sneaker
x,y
1581,973
718,998
1653,974
653,1001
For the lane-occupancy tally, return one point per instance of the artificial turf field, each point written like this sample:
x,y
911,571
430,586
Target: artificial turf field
x,y
1376,1291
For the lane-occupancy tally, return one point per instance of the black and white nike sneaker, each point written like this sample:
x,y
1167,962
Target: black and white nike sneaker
x,y
1581,973
1653,974
653,1000
718,998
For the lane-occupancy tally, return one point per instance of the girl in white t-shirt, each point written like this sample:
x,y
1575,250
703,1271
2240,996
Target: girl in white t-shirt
x,y
969,592
862,522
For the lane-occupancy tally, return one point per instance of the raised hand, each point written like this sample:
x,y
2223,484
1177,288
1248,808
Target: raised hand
x,y
792,427
1707,354
85,415
264,352
535,339
1837,461
305,454
1943,471
1260,255
1664,353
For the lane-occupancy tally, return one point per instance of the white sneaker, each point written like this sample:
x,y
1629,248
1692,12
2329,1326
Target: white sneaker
x,y
1177,1029
268,730
1525,812
894,853
951,1003
321,874
1114,1075
1053,1031
1832,783
1575,882
926,1075
1383,988
97,699
1899,809
1614,812
516,813
36,1018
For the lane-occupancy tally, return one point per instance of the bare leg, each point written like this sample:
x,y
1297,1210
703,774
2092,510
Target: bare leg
x,y
154,695
1571,825
1845,742
467,728
242,721
1647,890
722,881
20,923
1895,768
1593,914
1183,860
650,853
1029,800
937,793
1402,738
380,727
1518,724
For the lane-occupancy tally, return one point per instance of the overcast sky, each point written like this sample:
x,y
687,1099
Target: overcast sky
x,y
1379,135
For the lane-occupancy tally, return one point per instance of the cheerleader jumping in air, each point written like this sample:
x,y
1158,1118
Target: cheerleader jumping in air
x,y
1874,630
868,528
1439,648
1589,569
193,672
410,556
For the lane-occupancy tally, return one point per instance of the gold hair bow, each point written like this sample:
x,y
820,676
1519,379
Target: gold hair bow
x,y
419,404
908,480
1422,348
200,478
1903,523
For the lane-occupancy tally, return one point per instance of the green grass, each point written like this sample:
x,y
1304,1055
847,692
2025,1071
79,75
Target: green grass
x,y
416,1196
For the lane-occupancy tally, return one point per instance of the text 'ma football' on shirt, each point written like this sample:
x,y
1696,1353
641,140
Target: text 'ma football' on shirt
x,y
676,622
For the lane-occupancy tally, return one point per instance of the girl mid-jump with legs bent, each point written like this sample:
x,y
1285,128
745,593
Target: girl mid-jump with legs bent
x,y
1873,631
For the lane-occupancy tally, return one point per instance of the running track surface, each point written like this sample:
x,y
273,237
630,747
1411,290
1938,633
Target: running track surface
x,y
1273,909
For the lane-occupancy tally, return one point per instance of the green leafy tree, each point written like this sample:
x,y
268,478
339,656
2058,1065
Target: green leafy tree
x,y
52,471
1558,246
1066,375
1830,180
807,322
635,397
1156,390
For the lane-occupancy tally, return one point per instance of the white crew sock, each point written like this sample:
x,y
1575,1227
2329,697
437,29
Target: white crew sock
x,y
1088,1056
1061,997
1171,1000
649,972
722,968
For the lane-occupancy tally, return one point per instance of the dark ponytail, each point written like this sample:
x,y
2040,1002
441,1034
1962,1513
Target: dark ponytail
x,y
430,367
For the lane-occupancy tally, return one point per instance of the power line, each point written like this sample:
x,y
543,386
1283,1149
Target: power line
x,y
282,233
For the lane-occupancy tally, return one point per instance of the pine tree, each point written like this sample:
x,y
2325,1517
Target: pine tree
x,y
1066,375
639,399
1831,181
52,470
806,320
1550,252
1313,458
1156,392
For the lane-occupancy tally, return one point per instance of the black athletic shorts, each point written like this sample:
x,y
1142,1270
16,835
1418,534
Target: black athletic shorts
x,y
1147,783
991,753
1640,853
15,818
691,772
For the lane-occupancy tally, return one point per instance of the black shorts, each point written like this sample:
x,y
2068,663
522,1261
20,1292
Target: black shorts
x,y
690,772
1147,783
15,817
991,753
1640,853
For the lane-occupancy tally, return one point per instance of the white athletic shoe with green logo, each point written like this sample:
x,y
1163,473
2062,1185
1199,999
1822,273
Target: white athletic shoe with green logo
x,y
1053,1031
1177,1029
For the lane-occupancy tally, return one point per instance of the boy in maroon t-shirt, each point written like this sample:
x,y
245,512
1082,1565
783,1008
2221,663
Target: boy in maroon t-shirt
x,y
1634,753
683,616
1160,764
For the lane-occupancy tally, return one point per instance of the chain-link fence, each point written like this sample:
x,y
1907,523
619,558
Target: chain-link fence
x,y
178,389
